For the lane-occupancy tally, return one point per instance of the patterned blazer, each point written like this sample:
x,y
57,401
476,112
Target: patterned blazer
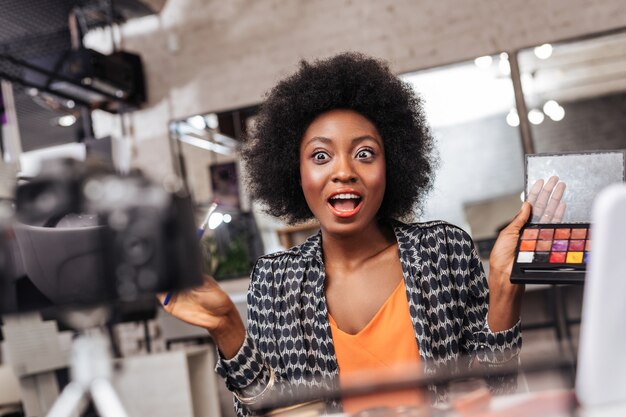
x,y
288,328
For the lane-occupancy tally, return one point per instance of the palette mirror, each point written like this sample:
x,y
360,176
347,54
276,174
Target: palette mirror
x,y
581,176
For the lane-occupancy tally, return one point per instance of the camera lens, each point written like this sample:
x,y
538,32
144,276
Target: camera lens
x,y
138,249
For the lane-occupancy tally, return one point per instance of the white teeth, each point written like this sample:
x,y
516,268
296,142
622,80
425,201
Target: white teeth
x,y
345,196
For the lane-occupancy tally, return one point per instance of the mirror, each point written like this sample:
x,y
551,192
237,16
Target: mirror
x,y
583,174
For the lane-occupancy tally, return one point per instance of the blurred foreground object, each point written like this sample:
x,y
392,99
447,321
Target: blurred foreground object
x,y
601,378
142,241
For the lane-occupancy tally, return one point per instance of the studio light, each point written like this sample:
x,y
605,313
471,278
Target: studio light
x,y
512,118
536,117
67,120
544,51
483,62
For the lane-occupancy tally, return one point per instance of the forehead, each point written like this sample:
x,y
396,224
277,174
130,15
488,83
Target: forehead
x,y
340,124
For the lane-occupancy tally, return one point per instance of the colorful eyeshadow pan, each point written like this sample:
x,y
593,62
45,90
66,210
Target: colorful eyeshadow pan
x,y
562,233
546,234
530,234
552,253
576,245
544,245
574,257
525,257
557,257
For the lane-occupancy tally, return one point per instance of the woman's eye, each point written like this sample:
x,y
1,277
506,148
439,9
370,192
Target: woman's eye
x,y
320,156
364,154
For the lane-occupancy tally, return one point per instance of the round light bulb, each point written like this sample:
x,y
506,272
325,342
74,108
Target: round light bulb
x,y
227,218
67,120
504,66
550,106
211,121
535,116
215,220
544,51
512,118
197,122
557,114
483,62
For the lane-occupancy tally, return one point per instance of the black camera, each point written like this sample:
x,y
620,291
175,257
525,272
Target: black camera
x,y
87,235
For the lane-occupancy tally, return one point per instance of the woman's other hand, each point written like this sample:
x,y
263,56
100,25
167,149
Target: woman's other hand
x,y
546,200
208,306
505,299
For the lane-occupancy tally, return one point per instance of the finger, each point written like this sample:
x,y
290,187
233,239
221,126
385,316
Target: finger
x,y
560,212
559,190
544,195
555,199
534,191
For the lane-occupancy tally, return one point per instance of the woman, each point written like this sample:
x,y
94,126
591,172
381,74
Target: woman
x,y
345,141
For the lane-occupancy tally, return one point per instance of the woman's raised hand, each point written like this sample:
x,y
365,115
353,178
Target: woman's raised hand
x,y
208,306
505,298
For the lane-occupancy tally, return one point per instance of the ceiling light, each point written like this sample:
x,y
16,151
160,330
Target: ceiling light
x,y
215,220
512,118
557,114
67,120
550,106
483,62
503,65
227,218
535,116
197,122
194,140
544,51
211,121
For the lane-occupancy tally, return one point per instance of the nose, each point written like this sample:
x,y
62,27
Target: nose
x,y
344,171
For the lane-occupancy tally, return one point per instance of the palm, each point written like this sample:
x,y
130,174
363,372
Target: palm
x,y
205,306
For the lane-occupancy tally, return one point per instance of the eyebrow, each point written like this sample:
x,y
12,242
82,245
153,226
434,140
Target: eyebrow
x,y
358,139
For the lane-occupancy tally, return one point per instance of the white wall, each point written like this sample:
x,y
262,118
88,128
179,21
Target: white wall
x,y
203,56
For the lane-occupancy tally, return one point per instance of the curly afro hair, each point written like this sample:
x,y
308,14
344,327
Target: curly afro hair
x,y
346,81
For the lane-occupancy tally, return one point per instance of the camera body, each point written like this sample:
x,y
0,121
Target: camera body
x,y
143,240
149,235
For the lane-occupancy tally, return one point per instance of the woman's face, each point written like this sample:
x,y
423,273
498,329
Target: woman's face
x,y
342,171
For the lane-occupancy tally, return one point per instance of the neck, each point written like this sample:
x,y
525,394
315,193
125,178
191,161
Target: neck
x,y
349,251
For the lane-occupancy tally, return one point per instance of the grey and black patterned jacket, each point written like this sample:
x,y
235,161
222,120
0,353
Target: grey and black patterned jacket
x,y
288,328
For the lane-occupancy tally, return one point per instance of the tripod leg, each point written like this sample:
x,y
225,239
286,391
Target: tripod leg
x,y
69,401
106,399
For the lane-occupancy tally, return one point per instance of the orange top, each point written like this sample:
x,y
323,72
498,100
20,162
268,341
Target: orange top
x,y
385,343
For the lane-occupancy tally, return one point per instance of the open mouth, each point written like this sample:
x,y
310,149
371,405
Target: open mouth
x,y
345,204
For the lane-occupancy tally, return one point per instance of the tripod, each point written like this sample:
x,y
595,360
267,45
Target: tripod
x,y
91,370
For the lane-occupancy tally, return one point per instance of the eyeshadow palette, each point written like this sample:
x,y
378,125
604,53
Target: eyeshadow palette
x,y
552,253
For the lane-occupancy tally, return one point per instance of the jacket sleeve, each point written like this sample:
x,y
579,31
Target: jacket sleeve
x,y
492,349
247,374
